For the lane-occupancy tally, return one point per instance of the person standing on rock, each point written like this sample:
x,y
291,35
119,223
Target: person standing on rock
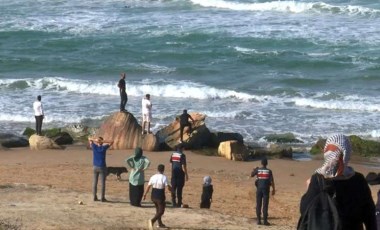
x,y
179,175
139,164
99,149
38,114
263,183
123,93
183,122
146,107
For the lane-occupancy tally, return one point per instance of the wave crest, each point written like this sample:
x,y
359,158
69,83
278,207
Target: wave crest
x,y
288,6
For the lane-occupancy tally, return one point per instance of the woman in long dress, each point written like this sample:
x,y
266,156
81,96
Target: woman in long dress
x,y
138,164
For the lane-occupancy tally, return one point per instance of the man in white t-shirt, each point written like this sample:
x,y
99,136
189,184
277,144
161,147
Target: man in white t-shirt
x,y
146,106
158,181
38,114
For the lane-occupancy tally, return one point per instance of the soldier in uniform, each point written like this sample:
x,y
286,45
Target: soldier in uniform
x,y
264,179
179,175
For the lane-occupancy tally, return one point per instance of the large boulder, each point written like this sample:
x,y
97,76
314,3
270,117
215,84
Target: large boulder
x,y
63,138
282,138
218,137
42,142
125,131
272,150
12,141
170,135
233,150
79,132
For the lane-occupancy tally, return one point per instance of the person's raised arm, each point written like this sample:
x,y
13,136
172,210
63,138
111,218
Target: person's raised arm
x,y
91,140
109,142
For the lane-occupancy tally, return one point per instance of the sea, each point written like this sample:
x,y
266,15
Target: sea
x,y
255,67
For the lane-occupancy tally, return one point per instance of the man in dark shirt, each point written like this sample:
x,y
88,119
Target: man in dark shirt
x,y
263,182
179,175
123,93
184,121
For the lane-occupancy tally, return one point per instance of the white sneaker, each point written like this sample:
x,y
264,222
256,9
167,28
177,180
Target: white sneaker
x,y
150,224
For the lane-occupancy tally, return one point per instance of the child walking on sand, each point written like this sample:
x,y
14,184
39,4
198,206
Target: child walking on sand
x,y
158,182
207,191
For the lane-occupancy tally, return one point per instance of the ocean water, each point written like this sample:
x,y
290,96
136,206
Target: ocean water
x,y
255,67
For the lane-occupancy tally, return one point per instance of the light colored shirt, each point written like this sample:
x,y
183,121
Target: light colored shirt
x,y
146,106
137,176
158,181
38,110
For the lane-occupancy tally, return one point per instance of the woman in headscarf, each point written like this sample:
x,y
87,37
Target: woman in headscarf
x,y
207,190
138,164
353,197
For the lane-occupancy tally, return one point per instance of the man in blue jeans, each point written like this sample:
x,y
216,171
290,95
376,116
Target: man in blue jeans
x,y
99,162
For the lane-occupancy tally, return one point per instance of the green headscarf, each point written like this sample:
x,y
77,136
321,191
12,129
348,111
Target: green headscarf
x,y
138,153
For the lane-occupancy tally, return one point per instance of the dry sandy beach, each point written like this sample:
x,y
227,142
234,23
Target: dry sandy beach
x,y
43,190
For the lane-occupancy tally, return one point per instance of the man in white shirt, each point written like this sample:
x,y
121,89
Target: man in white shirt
x,y
38,114
158,181
146,106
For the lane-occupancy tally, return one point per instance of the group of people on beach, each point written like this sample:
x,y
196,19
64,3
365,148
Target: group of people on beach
x,y
157,183
347,188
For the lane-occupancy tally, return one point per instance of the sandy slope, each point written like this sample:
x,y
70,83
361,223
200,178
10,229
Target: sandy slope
x,y
42,190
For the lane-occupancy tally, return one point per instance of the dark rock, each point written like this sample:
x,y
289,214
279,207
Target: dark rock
x,y
282,138
217,137
170,135
63,138
12,141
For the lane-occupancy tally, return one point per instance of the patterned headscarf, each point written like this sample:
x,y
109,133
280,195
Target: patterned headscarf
x,y
337,153
207,180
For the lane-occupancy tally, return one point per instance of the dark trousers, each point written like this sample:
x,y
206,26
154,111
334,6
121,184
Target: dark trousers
x,y
177,181
39,120
262,202
136,193
102,172
160,209
123,100
182,127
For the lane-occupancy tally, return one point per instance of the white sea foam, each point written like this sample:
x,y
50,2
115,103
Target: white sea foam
x,y
162,88
287,6
337,104
255,51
